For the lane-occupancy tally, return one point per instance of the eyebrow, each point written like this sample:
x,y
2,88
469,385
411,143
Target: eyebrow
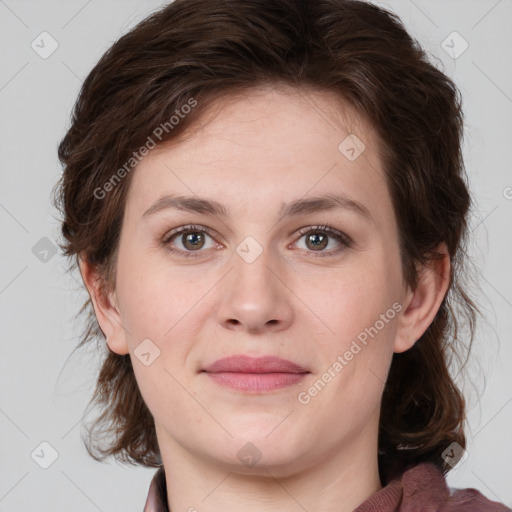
x,y
196,204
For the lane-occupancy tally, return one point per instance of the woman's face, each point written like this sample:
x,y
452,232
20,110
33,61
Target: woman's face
x,y
256,284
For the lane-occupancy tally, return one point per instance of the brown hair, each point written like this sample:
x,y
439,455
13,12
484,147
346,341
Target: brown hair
x,y
198,51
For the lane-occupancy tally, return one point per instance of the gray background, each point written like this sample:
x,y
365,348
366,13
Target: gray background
x,y
44,391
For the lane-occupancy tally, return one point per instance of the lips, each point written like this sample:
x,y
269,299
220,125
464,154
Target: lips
x,y
255,374
246,364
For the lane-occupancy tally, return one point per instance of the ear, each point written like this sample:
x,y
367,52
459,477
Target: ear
x,y
105,308
422,304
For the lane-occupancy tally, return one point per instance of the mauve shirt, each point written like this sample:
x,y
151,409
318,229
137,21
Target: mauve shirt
x,y
420,488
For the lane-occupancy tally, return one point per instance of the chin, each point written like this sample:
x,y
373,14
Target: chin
x,y
261,449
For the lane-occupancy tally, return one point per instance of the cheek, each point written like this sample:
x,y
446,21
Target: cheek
x,y
348,387
350,299
156,305
358,325
154,298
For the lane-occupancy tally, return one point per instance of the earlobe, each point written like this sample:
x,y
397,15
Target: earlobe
x,y
105,308
422,304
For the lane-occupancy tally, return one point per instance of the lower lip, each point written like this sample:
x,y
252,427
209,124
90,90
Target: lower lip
x,y
257,382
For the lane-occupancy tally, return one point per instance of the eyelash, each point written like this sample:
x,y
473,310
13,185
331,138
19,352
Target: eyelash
x,y
340,237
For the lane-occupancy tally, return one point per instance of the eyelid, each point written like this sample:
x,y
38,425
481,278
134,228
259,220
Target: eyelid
x,y
189,227
326,228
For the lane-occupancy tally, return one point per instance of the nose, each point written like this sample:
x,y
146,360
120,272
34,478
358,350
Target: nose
x,y
255,297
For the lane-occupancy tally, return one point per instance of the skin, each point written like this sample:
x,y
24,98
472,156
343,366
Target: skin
x,y
268,147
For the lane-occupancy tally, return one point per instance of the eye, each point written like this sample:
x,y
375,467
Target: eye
x,y
190,240
319,238
187,240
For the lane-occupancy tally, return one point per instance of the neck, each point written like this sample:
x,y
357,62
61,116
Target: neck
x,y
337,483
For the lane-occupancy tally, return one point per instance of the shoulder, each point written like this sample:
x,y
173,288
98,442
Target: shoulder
x,y
423,487
156,500
426,484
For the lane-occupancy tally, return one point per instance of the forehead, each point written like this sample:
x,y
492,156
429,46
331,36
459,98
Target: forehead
x,y
278,117
265,146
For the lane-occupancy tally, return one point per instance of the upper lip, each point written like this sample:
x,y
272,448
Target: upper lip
x,y
246,364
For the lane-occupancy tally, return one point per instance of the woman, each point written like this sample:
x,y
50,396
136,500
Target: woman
x,y
268,206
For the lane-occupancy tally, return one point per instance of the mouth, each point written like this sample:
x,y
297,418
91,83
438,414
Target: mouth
x,y
255,374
